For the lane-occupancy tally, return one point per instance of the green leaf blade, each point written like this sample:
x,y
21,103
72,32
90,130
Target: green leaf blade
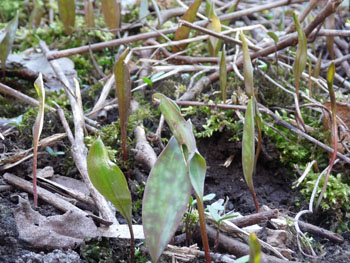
x,y
223,74
122,81
66,10
112,13
247,68
248,144
165,200
255,249
108,179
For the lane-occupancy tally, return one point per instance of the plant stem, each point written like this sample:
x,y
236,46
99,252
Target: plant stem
x,y
132,243
255,199
35,156
203,230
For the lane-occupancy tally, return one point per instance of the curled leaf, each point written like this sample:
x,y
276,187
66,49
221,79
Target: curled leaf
x,y
37,128
247,68
214,25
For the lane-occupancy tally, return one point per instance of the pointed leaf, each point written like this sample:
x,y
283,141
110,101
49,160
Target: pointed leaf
x,y
248,144
122,81
37,128
66,9
301,56
255,249
247,68
223,74
108,179
143,10
112,13
317,69
231,10
8,36
214,25
273,36
89,13
181,129
36,15
165,200
183,32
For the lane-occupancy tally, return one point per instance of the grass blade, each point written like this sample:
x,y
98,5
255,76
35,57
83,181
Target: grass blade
x,y
66,9
183,32
6,41
165,200
122,81
37,128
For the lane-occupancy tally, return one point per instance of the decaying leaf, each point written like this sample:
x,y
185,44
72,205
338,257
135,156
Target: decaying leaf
x,y
66,9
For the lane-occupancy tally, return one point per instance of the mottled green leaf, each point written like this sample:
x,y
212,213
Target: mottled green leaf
x,y
143,10
8,36
181,129
108,179
247,68
223,73
66,9
214,25
183,32
183,133
165,200
112,13
122,81
255,249
89,13
37,128
248,144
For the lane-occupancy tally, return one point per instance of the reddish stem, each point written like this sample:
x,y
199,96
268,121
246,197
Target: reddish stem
x,y
35,194
203,229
